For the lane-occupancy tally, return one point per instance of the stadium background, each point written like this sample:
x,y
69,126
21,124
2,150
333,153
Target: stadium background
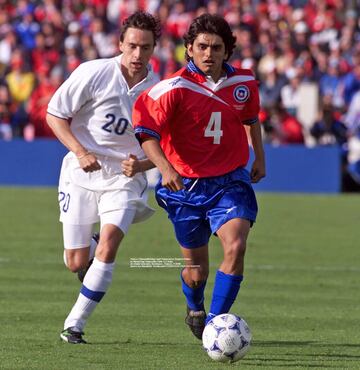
x,y
305,54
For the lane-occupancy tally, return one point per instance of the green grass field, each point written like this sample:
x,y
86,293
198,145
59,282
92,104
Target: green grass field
x,y
301,294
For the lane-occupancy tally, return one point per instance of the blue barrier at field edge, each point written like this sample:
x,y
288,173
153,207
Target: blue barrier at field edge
x,y
290,168
296,168
35,163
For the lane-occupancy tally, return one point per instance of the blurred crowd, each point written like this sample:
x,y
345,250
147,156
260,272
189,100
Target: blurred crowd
x,y
305,54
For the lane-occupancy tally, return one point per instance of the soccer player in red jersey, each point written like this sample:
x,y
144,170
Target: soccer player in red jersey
x,y
191,126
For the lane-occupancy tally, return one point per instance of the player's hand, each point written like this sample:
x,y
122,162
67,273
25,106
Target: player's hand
x,y
172,180
257,171
88,162
131,166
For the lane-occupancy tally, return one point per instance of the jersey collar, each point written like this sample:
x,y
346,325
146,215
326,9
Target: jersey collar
x,y
191,67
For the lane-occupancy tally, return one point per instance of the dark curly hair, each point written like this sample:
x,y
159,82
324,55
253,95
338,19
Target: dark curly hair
x,y
212,24
142,21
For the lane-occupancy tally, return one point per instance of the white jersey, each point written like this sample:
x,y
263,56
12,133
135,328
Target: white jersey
x,y
97,99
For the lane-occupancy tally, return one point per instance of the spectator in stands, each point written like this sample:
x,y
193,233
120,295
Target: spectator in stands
x,y
70,59
178,21
352,121
54,37
285,128
329,129
261,46
48,83
290,96
107,46
5,113
7,46
270,86
304,65
88,49
351,80
42,55
331,84
21,82
50,10
300,37
27,29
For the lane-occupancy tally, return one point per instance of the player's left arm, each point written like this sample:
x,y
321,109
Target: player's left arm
x,y
132,165
258,167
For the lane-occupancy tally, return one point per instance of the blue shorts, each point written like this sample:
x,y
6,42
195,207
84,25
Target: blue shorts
x,y
206,204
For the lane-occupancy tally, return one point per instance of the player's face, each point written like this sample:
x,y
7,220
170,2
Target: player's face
x,y
137,48
208,53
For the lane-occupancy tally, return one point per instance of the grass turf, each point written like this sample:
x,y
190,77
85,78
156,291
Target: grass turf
x,y
300,295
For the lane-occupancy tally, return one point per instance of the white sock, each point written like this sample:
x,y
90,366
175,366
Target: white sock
x,y
95,285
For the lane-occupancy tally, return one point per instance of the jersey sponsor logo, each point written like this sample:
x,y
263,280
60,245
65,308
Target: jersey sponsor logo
x,y
174,82
241,93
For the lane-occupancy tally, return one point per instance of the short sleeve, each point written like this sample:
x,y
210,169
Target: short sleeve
x,y
148,117
252,107
71,95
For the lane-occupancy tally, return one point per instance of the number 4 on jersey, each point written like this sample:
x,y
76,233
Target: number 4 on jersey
x,y
213,128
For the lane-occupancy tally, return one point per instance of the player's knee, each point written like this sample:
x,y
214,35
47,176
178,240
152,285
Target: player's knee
x,y
74,263
235,251
198,275
75,266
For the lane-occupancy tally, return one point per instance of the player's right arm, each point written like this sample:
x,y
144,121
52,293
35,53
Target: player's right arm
x,y
151,113
170,178
61,128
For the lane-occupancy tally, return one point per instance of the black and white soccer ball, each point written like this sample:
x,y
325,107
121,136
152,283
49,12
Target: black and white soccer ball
x,y
226,338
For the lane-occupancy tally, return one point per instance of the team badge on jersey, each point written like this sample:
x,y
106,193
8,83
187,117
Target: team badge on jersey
x,y
241,93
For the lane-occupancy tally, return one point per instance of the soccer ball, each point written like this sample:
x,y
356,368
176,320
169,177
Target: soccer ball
x,y
226,338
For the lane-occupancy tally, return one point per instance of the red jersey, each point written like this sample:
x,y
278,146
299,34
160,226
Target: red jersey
x,y
199,123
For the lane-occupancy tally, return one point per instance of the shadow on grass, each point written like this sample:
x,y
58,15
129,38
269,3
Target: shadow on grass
x,y
142,343
270,363
285,343
318,359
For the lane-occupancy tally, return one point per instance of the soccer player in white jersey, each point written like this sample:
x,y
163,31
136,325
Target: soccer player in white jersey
x,y
102,177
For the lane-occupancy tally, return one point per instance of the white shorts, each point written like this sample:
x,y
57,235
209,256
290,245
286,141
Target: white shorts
x,y
79,236
87,198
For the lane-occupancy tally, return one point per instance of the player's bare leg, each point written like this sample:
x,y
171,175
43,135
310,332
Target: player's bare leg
x,y
196,269
77,259
93,244
194,277
110,239
233,236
